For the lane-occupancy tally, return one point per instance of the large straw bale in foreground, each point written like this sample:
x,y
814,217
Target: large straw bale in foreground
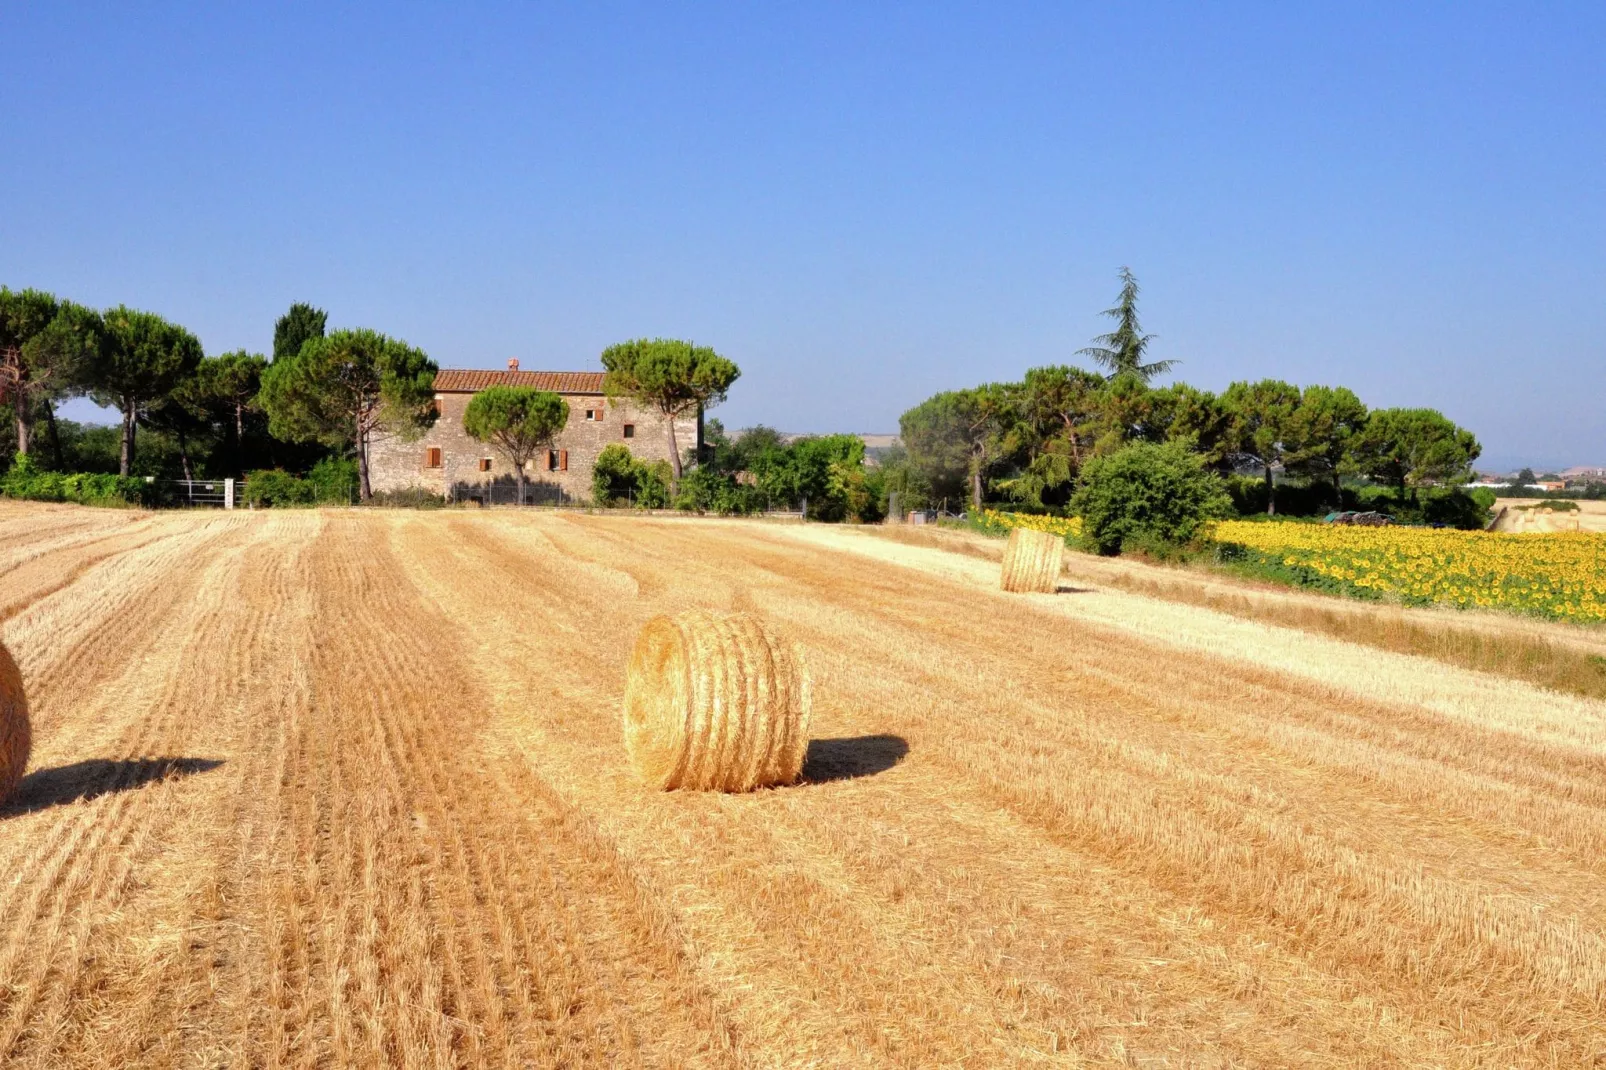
x,y
713,701
14,733
1032,561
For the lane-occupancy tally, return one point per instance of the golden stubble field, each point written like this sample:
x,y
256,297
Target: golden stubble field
x,y
1525,514
347,789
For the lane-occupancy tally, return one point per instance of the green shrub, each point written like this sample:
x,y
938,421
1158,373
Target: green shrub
x,y
26,480
703,490
613,477
1248,495
619,478
334,481
1148,493
866,491
1457,508
1450,506
276,487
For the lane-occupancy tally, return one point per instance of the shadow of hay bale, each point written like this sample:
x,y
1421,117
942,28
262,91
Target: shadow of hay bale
x,y
81,781
852,757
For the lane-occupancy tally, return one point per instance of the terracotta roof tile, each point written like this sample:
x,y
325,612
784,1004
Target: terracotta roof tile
x,y
468,380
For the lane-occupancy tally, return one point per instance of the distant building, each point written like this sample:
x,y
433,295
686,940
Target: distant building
x,y
448,462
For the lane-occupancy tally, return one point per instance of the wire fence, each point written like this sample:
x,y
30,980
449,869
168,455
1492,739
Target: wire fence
x,y
504,493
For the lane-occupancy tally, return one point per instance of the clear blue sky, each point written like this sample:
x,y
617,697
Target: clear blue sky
x,y
859,203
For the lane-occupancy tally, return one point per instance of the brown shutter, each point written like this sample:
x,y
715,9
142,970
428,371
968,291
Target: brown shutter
x,y
563,460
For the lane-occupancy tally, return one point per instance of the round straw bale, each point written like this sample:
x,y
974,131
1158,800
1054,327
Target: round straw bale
x,y
14,733
714,702
1032,561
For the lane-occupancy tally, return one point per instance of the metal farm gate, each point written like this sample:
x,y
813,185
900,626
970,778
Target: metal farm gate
x,y
214,493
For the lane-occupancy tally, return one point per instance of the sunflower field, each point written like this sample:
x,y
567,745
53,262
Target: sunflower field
x,y
1560,575
995,522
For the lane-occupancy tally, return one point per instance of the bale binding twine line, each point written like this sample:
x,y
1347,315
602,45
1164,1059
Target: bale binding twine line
x,y
1032,561
14,733
713,701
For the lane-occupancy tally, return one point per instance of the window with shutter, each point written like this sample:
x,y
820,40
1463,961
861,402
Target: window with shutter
x,y
485,464
551,460
432,457
563,460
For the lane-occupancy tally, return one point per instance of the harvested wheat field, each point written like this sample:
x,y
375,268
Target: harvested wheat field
x,y
349,788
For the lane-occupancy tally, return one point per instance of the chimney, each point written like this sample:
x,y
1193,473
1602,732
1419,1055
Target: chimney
x,y
513,364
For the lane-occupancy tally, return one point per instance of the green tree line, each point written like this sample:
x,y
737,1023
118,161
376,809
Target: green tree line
x,y
323,396
1029,443
317,405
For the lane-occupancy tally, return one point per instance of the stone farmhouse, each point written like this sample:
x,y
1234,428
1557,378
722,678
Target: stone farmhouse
x,y
448,462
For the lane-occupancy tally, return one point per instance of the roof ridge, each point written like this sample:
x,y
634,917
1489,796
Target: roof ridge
x,y
469,380
525,371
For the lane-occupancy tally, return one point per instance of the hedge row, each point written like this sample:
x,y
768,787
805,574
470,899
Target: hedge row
x,y
28,481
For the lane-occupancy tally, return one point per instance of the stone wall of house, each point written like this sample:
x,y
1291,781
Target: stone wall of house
x,y
395,464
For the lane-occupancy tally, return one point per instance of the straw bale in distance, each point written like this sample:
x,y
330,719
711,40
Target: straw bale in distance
x,y
714,702
15,736
1032,561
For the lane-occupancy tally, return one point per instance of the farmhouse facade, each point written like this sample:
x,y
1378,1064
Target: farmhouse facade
x,y
447,461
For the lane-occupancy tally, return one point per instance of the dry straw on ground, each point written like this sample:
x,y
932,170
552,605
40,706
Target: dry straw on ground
x,y
1132,832
713,701
14,732
1032,562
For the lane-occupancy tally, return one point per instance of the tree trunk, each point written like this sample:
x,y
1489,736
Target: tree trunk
x,y
365,491
24,426
674,456
125,466
975,488
520,469
184,454
55,435
1271,492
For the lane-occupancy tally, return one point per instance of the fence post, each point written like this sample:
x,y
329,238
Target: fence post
x,y
228,493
